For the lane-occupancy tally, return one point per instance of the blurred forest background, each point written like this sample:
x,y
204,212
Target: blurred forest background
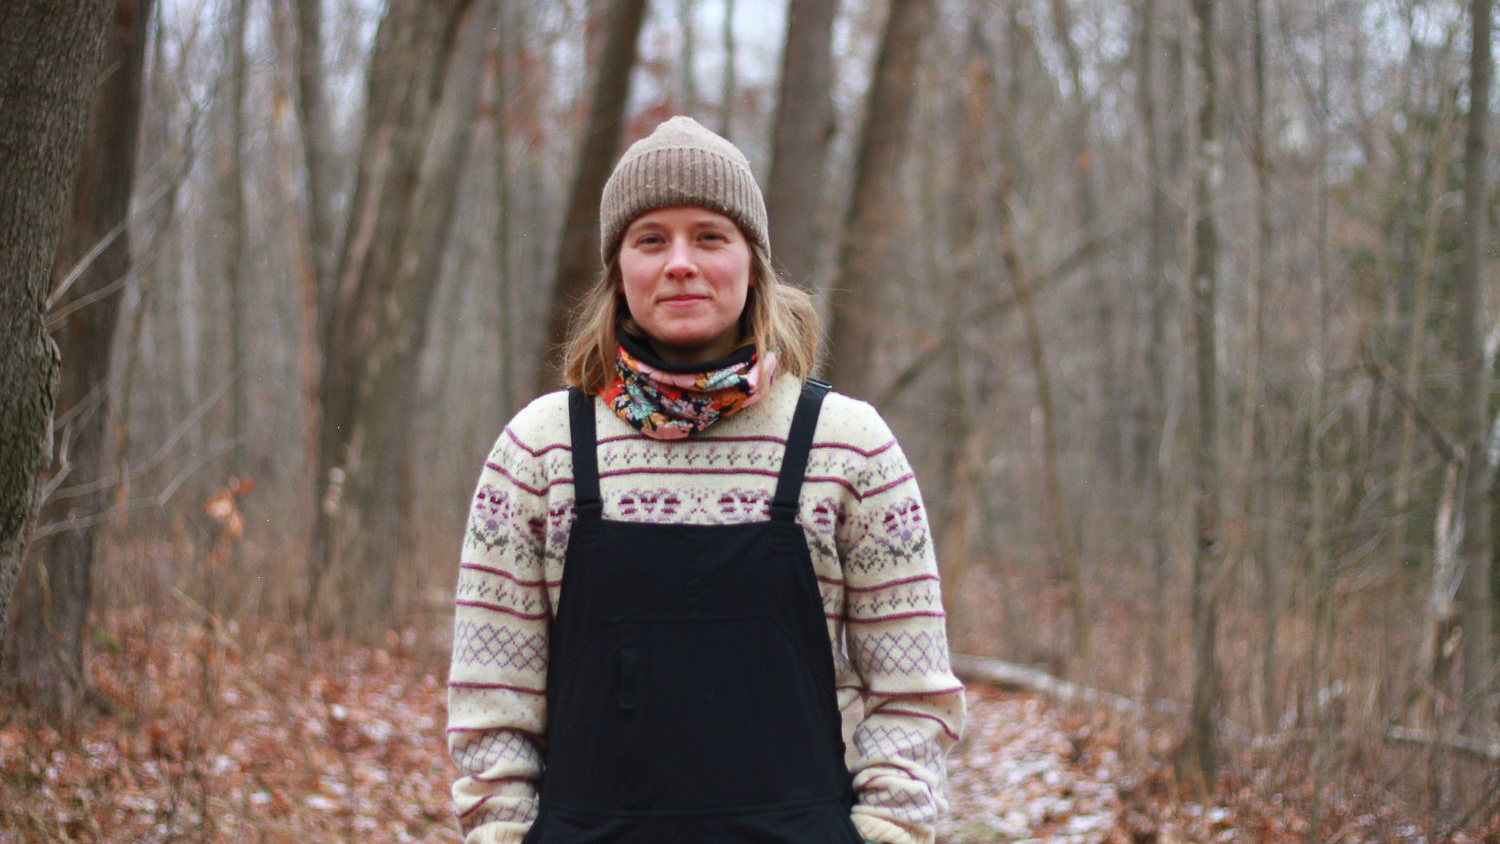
x,y
1183,310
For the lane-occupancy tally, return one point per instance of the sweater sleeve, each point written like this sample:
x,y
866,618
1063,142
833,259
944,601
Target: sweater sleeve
x,y
497,679
897,643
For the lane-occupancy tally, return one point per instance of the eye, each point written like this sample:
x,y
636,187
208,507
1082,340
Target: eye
x,y
648,239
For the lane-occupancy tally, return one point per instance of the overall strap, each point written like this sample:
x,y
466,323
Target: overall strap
x,y
798,447
586,500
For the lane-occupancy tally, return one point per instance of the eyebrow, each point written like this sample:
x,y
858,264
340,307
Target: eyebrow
x,y
701,222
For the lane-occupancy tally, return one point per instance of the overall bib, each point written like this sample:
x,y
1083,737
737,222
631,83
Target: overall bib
x,y
690,686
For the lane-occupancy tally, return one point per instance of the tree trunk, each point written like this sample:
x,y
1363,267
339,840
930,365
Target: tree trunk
x,y
1252,426
315,272
505,263
875,214
687,94
578,248
44,117
1151,431
1111,385
729,79
1018,267
317,137
800,138
1320,650
1438,620
1203,738
1069,562
233,180
963,455
372,334
1476,660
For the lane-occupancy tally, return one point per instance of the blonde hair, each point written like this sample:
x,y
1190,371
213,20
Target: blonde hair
x,y
778,316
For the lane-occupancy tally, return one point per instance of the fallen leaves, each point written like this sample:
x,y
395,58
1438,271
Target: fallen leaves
x,y
1012,778
227,736
234,733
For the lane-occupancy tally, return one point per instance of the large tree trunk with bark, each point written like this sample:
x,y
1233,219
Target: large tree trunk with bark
x,y
1203,719
49,58
800,137
875,209
373,330
1478,667
578,248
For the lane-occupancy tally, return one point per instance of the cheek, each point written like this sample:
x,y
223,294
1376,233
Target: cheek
x,y
736,276
632,285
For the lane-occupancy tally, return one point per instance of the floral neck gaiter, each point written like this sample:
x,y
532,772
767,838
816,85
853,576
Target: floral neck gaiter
x,y
668,402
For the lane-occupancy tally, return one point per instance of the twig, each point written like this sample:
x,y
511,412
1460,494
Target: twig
x,y
1084,251
153,502
55,318
162,452
1379,370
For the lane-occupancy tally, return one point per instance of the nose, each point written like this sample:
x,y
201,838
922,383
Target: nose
x,y
680,262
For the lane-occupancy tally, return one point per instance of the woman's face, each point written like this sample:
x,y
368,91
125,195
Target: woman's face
x,y
685,271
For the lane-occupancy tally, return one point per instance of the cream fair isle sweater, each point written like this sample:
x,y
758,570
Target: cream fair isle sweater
x,y
872,554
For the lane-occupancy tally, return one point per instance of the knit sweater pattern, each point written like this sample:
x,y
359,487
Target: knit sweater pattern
x,y
872,555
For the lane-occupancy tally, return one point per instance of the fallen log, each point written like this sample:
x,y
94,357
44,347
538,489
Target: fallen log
x,y
1014,677
1011,676
1486,751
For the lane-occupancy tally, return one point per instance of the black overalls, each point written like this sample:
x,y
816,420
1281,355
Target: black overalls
x,y
690,685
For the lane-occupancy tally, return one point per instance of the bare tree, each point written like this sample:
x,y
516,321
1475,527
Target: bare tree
x,y
1316,462
1474,549
232,176
688,77
1203,719
729,83
1013,253
1149,427
1252,426
578,249
48,71
315,272
1440,611
1111,384
372,330
317,137
875,216
505,271
800,137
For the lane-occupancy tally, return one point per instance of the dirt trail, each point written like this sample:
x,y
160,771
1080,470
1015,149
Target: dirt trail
x,y
1019,775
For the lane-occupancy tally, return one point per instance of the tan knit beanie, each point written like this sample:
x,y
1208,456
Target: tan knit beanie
x,y
681,163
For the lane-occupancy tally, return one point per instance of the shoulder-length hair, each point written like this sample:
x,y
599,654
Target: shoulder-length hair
x,y
778,316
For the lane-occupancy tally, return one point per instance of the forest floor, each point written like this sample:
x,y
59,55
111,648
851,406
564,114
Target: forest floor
x,y
236,735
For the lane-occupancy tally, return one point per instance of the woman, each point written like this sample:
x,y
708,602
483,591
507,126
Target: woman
x,y
677,574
